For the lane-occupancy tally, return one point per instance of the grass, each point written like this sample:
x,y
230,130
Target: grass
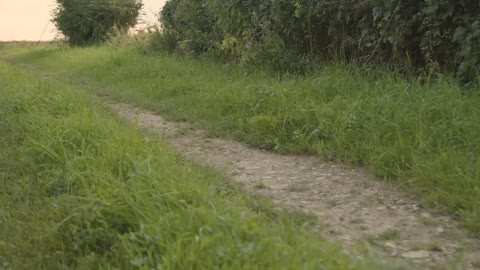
x,y
79,189
423,136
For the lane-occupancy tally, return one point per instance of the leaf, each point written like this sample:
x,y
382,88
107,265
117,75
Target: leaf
x,y
377,11
459,34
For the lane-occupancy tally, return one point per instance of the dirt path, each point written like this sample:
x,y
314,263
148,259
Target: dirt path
x,y
351,205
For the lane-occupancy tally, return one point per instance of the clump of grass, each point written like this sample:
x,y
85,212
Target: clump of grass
x,y
388,235
425,136
80,190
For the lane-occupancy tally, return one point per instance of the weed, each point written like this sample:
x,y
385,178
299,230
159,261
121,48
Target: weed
x,y
389,235
260,185
357,221
297,187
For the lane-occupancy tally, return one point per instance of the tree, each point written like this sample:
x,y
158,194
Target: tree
x,y
86,22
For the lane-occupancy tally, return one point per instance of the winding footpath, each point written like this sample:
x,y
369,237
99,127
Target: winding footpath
x,y
351,205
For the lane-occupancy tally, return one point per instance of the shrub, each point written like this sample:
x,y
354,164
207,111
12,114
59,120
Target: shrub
x,y
286,33
189,25
85,22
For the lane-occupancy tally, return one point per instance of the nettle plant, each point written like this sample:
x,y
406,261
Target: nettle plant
x,y
85,22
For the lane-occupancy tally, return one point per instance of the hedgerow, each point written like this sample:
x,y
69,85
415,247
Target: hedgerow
x,y
432,34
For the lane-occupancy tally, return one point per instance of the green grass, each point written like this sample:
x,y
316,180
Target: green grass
x,y
79,189
423,136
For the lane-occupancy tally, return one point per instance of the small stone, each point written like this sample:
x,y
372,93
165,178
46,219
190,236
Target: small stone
x,y
420,254
391,245
440,230
346,238
426,215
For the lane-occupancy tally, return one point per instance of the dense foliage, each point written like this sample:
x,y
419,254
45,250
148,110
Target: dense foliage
x,y
189,25
89,21
427,33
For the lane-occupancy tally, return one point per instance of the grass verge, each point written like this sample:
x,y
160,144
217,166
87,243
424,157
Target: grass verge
x,y
79,189
425,136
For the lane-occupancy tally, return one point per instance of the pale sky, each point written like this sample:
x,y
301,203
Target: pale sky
x,y
30,19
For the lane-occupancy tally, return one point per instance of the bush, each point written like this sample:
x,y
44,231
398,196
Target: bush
x,y
285,33
85,22
189,25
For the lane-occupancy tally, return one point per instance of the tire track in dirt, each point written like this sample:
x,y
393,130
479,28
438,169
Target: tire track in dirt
x,y
351,205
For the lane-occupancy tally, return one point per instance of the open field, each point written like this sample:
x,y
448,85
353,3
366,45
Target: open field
x,y
80,189
422,136
91,179
271,134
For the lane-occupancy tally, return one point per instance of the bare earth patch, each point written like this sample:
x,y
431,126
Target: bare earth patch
x,y
351,205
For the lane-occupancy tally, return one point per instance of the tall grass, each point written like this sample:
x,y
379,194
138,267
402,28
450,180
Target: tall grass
x,y
424,136
81,190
